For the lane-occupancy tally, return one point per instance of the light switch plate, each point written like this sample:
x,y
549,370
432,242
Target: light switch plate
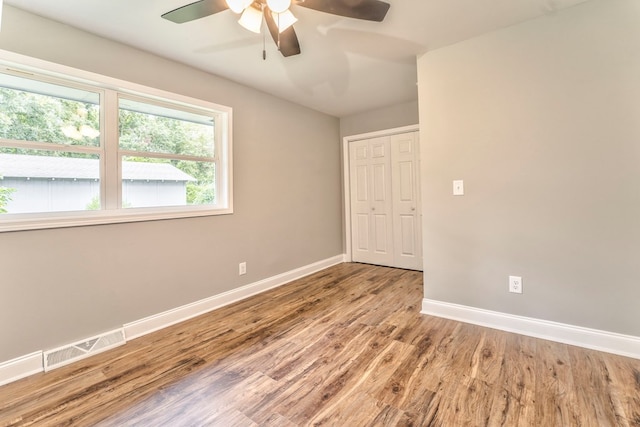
x,y
458,187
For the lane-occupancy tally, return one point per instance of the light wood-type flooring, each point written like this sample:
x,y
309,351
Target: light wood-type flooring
x,y
346,346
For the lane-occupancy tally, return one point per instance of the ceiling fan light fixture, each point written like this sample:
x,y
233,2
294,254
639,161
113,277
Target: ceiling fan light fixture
x,y
251,19
278,6
237,6
284,20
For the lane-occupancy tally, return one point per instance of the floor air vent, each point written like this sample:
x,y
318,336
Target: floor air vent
x,y
70,353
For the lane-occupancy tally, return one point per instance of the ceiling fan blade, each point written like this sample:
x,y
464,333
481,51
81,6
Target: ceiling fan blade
x,y
370,10
196,10
287,41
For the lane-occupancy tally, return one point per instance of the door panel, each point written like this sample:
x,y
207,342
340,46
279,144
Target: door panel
x,y
381,229
362,187
379,182
371,206
361,152
363,232
378,148
405,144
406,181
407,230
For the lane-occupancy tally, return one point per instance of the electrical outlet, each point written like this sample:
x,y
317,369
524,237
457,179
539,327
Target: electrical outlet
x,y
242,268
515,284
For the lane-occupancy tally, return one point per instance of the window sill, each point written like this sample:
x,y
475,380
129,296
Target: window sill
x,y
24,222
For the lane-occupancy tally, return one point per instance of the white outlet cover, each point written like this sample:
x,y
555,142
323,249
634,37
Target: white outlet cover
x,y
458,187
515,284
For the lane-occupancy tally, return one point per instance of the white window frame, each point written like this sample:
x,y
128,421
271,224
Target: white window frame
x,y
110,155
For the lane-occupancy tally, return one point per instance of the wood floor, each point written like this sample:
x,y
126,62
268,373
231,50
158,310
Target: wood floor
x,y
343,347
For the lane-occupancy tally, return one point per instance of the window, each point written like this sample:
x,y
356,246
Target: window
x,y
53,165
168,155
77,151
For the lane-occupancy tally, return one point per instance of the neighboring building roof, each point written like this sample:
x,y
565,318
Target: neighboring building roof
x,y
23,166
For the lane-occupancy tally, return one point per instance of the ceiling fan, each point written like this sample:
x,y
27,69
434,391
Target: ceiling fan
x,y
277,15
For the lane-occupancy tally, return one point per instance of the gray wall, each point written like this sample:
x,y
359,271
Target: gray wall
x,y
394,116
60,285
541,121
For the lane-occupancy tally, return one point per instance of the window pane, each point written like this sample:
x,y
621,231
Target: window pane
x,y
46,181
31,110
148,182
151,128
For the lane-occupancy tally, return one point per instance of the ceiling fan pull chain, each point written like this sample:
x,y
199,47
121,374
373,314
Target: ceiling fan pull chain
x,y
278,32
264,41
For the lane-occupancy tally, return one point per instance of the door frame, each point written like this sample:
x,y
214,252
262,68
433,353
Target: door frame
x,y
346,189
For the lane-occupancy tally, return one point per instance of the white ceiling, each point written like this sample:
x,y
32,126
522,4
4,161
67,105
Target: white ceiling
x,y
346,66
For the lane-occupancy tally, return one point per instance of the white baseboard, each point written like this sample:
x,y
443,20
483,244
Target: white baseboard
x,y
162,320
30,364
21,367
609,342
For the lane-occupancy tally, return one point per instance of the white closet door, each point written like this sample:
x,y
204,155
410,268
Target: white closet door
x,y
407,234
371,201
